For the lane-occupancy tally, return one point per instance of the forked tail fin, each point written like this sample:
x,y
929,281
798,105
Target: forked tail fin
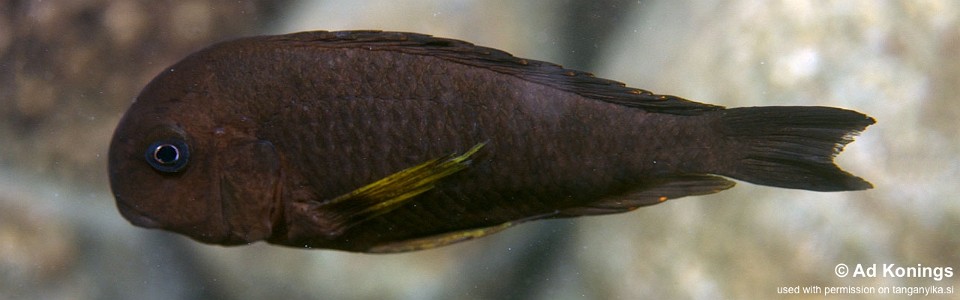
x,y
792,146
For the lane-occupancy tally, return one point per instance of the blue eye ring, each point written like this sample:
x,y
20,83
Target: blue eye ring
x,y
168,156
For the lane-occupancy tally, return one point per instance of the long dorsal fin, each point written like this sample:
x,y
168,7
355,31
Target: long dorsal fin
x,y
549,74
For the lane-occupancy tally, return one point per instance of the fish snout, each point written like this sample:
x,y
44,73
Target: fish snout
x,y
134,216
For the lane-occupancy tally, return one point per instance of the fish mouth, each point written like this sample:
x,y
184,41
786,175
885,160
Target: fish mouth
x,y
136,217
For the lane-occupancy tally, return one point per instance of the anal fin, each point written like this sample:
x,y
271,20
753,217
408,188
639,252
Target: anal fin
x,y
439,240
653,192
389,193
443,239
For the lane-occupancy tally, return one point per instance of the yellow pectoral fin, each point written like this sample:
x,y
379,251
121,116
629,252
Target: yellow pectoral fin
x,y
385,195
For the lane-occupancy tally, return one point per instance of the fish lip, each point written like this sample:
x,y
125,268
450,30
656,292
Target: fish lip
x,y
134,216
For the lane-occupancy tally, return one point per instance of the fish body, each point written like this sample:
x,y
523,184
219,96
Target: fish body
x,y
375,141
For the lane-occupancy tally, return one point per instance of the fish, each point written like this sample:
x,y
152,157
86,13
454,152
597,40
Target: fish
x,y
385,142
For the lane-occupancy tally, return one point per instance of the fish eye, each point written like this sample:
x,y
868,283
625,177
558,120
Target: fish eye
x,y
168,156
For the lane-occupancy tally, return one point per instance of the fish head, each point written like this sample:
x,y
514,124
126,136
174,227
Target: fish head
x,y
178,162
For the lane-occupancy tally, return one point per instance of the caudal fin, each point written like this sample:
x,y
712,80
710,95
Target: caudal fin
x,y
792,147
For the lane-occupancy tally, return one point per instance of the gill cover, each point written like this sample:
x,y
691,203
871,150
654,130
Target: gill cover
x,y
249,190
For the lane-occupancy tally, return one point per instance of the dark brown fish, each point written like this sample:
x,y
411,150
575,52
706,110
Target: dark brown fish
x,y
384,141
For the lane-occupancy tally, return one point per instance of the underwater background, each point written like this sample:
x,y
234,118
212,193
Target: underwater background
x,y
70,68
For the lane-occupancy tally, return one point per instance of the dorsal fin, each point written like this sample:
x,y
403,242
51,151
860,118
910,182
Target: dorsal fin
x,y
549,74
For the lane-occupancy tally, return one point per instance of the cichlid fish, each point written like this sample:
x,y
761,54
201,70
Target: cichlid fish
x,y
376,141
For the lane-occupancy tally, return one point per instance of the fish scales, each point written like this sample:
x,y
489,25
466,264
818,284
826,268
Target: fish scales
x,y
551,134
384,142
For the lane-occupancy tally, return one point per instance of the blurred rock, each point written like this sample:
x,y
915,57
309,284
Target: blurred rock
x,y
69,68
37,249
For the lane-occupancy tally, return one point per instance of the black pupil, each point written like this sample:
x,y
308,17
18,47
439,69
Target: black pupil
x,y
166,154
